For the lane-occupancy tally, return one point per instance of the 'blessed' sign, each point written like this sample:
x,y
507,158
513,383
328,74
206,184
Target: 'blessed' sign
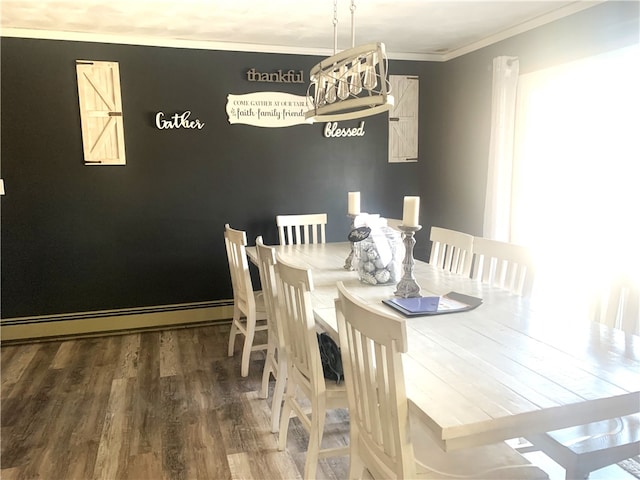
x,y
331,130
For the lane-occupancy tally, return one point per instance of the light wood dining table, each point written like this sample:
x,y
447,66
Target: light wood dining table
x,y
503,370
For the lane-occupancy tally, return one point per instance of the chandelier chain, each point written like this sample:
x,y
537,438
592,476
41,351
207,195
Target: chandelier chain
x,y
353,23
335,26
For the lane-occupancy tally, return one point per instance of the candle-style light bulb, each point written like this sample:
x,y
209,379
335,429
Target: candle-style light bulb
x,y
343,84
370,80
331,92
320,91
355,79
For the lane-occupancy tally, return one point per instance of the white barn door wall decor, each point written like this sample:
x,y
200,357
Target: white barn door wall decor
x,y
101,112
403,119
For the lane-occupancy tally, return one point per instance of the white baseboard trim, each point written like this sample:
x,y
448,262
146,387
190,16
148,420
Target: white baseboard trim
x,y
113,321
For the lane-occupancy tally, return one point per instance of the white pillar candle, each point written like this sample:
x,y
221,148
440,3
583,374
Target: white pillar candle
x,y
354,203
410,212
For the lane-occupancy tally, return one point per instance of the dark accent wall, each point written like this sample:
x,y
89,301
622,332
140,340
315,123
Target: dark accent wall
x,y
79,238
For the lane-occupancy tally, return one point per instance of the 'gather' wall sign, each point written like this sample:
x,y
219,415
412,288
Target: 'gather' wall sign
x,y
179,120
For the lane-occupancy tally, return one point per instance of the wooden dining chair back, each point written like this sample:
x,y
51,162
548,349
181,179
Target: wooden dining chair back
x,y
451,250
371,344
619,306
248,305
301,229
585,448
386,439
504,265
276,361
305,381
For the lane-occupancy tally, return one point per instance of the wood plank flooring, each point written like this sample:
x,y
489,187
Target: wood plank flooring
x,y
152,405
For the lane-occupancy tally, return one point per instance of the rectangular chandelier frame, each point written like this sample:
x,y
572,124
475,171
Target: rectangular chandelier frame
x,y
351,84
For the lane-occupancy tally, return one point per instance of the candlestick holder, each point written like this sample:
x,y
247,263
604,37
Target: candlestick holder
x,y
348,263
407,286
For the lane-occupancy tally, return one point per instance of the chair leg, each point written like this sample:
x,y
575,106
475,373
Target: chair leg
x,y
356,466
311,461
285,414
318,414
278,393
234,331
248,344
268,367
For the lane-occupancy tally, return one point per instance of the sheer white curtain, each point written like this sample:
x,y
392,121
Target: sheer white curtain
x,y
497,212
576,173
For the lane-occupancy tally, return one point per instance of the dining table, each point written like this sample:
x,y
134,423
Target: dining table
x,y
509,368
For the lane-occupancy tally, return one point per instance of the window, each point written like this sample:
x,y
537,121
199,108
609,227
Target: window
x,y
576,171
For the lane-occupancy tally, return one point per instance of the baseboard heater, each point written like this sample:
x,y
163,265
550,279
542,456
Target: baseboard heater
x,y
22,329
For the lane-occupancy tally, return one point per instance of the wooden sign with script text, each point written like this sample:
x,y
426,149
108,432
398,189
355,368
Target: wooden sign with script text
x,y
267,109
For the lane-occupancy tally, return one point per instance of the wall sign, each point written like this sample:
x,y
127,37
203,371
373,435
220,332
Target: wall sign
x,y
359,234
267,109
290,76
101,112
331,130
179,120
403,119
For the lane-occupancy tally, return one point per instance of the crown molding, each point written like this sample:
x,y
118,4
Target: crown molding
x,y
523,27
157,41
323,52
192,44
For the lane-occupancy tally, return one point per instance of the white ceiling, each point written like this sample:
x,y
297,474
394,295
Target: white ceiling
x,y
410,29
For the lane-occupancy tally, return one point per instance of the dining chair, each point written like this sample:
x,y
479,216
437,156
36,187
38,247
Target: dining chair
x,y
276,361
504,265
451,250
619,305
297,229
248,305
386,439
305,381
585,448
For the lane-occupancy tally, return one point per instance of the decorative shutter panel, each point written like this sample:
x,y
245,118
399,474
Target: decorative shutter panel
x,y
403,119
101,112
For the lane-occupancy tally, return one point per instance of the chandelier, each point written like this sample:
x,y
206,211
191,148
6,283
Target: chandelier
x,y
350,84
